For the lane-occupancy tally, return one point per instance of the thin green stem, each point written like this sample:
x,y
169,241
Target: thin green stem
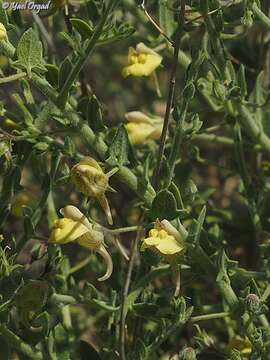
x,y
220,315
19,344
66,318
177,141
123,230
14,77
62,299
80,265
62,98
124,304
170,99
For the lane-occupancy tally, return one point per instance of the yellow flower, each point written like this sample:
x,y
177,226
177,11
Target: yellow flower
x,y
142,128
241,344
74,226
3,32
90,179
165,240
142,61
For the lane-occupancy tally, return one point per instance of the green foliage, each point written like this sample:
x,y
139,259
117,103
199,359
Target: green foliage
x,y
29,53
179,159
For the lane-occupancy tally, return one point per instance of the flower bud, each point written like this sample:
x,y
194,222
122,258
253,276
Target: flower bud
x,y
3,32
89,179
252,303
188,354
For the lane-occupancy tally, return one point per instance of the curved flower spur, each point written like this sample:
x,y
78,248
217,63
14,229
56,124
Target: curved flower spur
x,y
90,179
74,226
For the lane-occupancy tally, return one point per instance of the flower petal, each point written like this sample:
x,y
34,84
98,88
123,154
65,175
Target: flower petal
x,y
165,246
143,69
67,230
138,133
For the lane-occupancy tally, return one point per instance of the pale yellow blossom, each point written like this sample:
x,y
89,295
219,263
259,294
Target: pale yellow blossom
x,y
75,227
142,61
165,240
142,128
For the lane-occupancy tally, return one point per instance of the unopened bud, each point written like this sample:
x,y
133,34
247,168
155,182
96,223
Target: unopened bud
x,y
188,354
252,303
89,179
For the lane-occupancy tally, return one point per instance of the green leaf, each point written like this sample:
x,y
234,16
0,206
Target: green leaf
x,y
88,352
32,296
41,146
52,74
145,309
69,146
29,53
94,114
242,83
119,148
103,305
196,226
84,29
189,191
89,292
27,92
166,17
64,71
164,206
